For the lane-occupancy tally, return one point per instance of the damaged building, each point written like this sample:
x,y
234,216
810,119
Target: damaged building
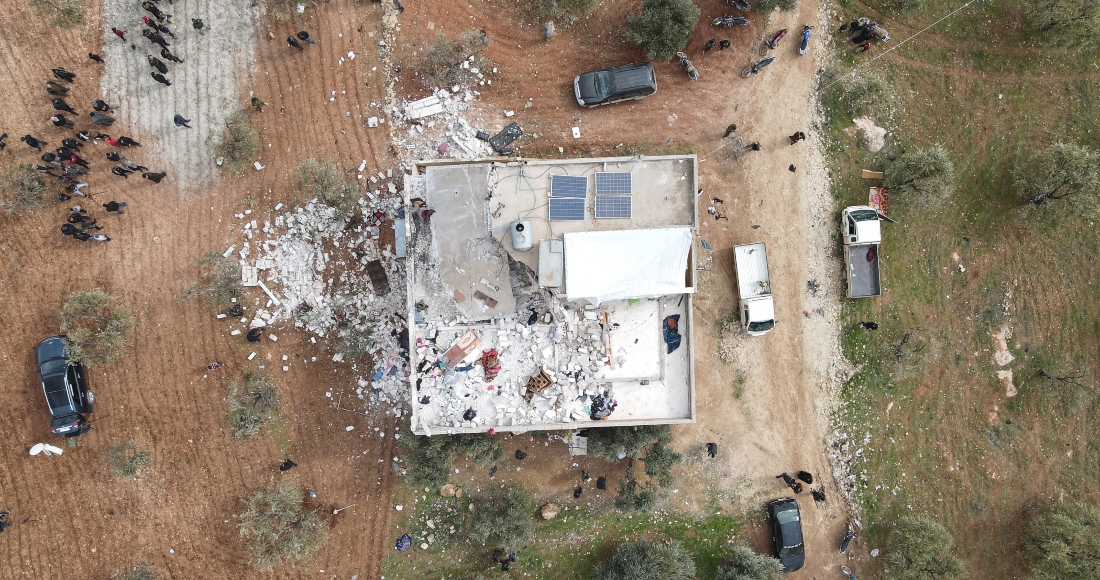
x,y
551,294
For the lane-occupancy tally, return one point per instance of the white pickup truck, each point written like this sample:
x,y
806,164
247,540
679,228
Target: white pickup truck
x,y
754,288
860,228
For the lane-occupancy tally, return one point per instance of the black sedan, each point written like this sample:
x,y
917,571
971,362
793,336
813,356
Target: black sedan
x,y
787,533
65,387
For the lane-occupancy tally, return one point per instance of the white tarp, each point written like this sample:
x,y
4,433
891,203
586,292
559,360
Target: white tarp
x,y
618,265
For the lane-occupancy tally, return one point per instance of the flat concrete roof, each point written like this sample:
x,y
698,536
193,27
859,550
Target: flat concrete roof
x,y
467,286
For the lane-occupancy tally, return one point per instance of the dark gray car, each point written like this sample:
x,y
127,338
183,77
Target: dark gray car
x,y
787,533
622,83
65,387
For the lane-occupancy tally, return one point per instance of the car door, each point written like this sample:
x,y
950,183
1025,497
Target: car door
x,y
73,381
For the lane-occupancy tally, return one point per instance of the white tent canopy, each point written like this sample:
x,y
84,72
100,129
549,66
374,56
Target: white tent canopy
x,y
617,265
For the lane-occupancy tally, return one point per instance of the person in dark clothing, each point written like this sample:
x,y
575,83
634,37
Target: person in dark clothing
x,y
63,74
165,30
78,160
51,158
131,166
72,171
82,236
709,45
160,79
101,106
723,45
254,334
258,104
119,33
84,136
69,142
63,197
287,465
88,223
601,482
115,156
868,34
577,492
520,455
805,476
120,172
795,138
101,119
156,63
167,55
56,89
755,146
236,310
730,130
95,57
60,121
304,37
791,483
792,168
115,206
197,23
293,43
469,415
68,229
181,122
868,325
128,142
152,9
155,177
712,449
59,104
75,218
155,38
64,152
32,142
819,494
149,23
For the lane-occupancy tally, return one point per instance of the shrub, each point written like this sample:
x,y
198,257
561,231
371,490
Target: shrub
x,y
66,13
609,442
662,27
220,281
22,189
429,460
1070,23
924,172
277,527
125,459
629,499
542,10
324,182
920,548
139,571
252,402
1063,174
502,518
766,6
659,462
744,563
862,94
237,144
441,63
644,559
484,450
95,327
1065,543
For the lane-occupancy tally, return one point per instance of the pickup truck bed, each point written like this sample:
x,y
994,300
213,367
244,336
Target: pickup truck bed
x,y
863,274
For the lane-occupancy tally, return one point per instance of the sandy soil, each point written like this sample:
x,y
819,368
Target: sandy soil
x,y
779,422
83,521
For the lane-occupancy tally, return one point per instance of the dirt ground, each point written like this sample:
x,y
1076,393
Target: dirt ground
x,y
82,521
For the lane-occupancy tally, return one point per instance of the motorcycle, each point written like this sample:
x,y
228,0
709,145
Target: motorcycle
x,y
848,537
805,40
741,5
730,21
756,66
693,74
773,42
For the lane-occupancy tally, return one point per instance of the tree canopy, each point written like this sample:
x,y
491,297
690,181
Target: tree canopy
x,y
920,549
766,6
502,518
924,173
746,564
662,27
278,528
1070,23
1063,173
1065,543
644,559
609,442
95,326
22,189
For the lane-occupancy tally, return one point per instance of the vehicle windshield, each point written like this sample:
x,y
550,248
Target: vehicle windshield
x,y
791,550
864,215
761,326
786,516
54,367
603,84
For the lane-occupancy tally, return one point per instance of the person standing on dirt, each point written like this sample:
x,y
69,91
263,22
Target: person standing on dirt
x,y
197,23
60,121
799,136
180,121
709,45
59,104
287,465
101,238
63,74
712,450
258,104
723,45
254,335
155,177
120,172
119,33
101,119
167,55
115,206
149,22
152,9
155,38
101,106
56,89
157,64
128,142
730,130
293,43
33,143
304,37
165,30
160,79
131,166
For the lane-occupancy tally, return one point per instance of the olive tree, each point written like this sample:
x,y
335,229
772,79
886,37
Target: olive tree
x,y
744,563
502,518
923,173
1064,174
1065,543
237,144
633,498
659,462
662,27
65,13
645,559
252,402
611,442
766,6
324,182
1070,23
95,327
219,281
277,527
920,549
21,189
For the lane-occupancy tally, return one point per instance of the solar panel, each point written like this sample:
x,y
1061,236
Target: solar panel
x,y
571,186
610,183
565,209
612,206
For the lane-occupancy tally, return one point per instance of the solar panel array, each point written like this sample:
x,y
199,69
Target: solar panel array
x,y
612,183
566,209
572,186
613,206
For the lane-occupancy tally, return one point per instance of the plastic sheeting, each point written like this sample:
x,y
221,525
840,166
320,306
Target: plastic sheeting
x,y
618,265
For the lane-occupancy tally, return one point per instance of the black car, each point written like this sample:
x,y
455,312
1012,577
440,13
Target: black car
x,y
787,533
623,83
65,387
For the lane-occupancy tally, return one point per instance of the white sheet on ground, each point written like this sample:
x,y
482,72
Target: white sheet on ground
x,y
618,265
